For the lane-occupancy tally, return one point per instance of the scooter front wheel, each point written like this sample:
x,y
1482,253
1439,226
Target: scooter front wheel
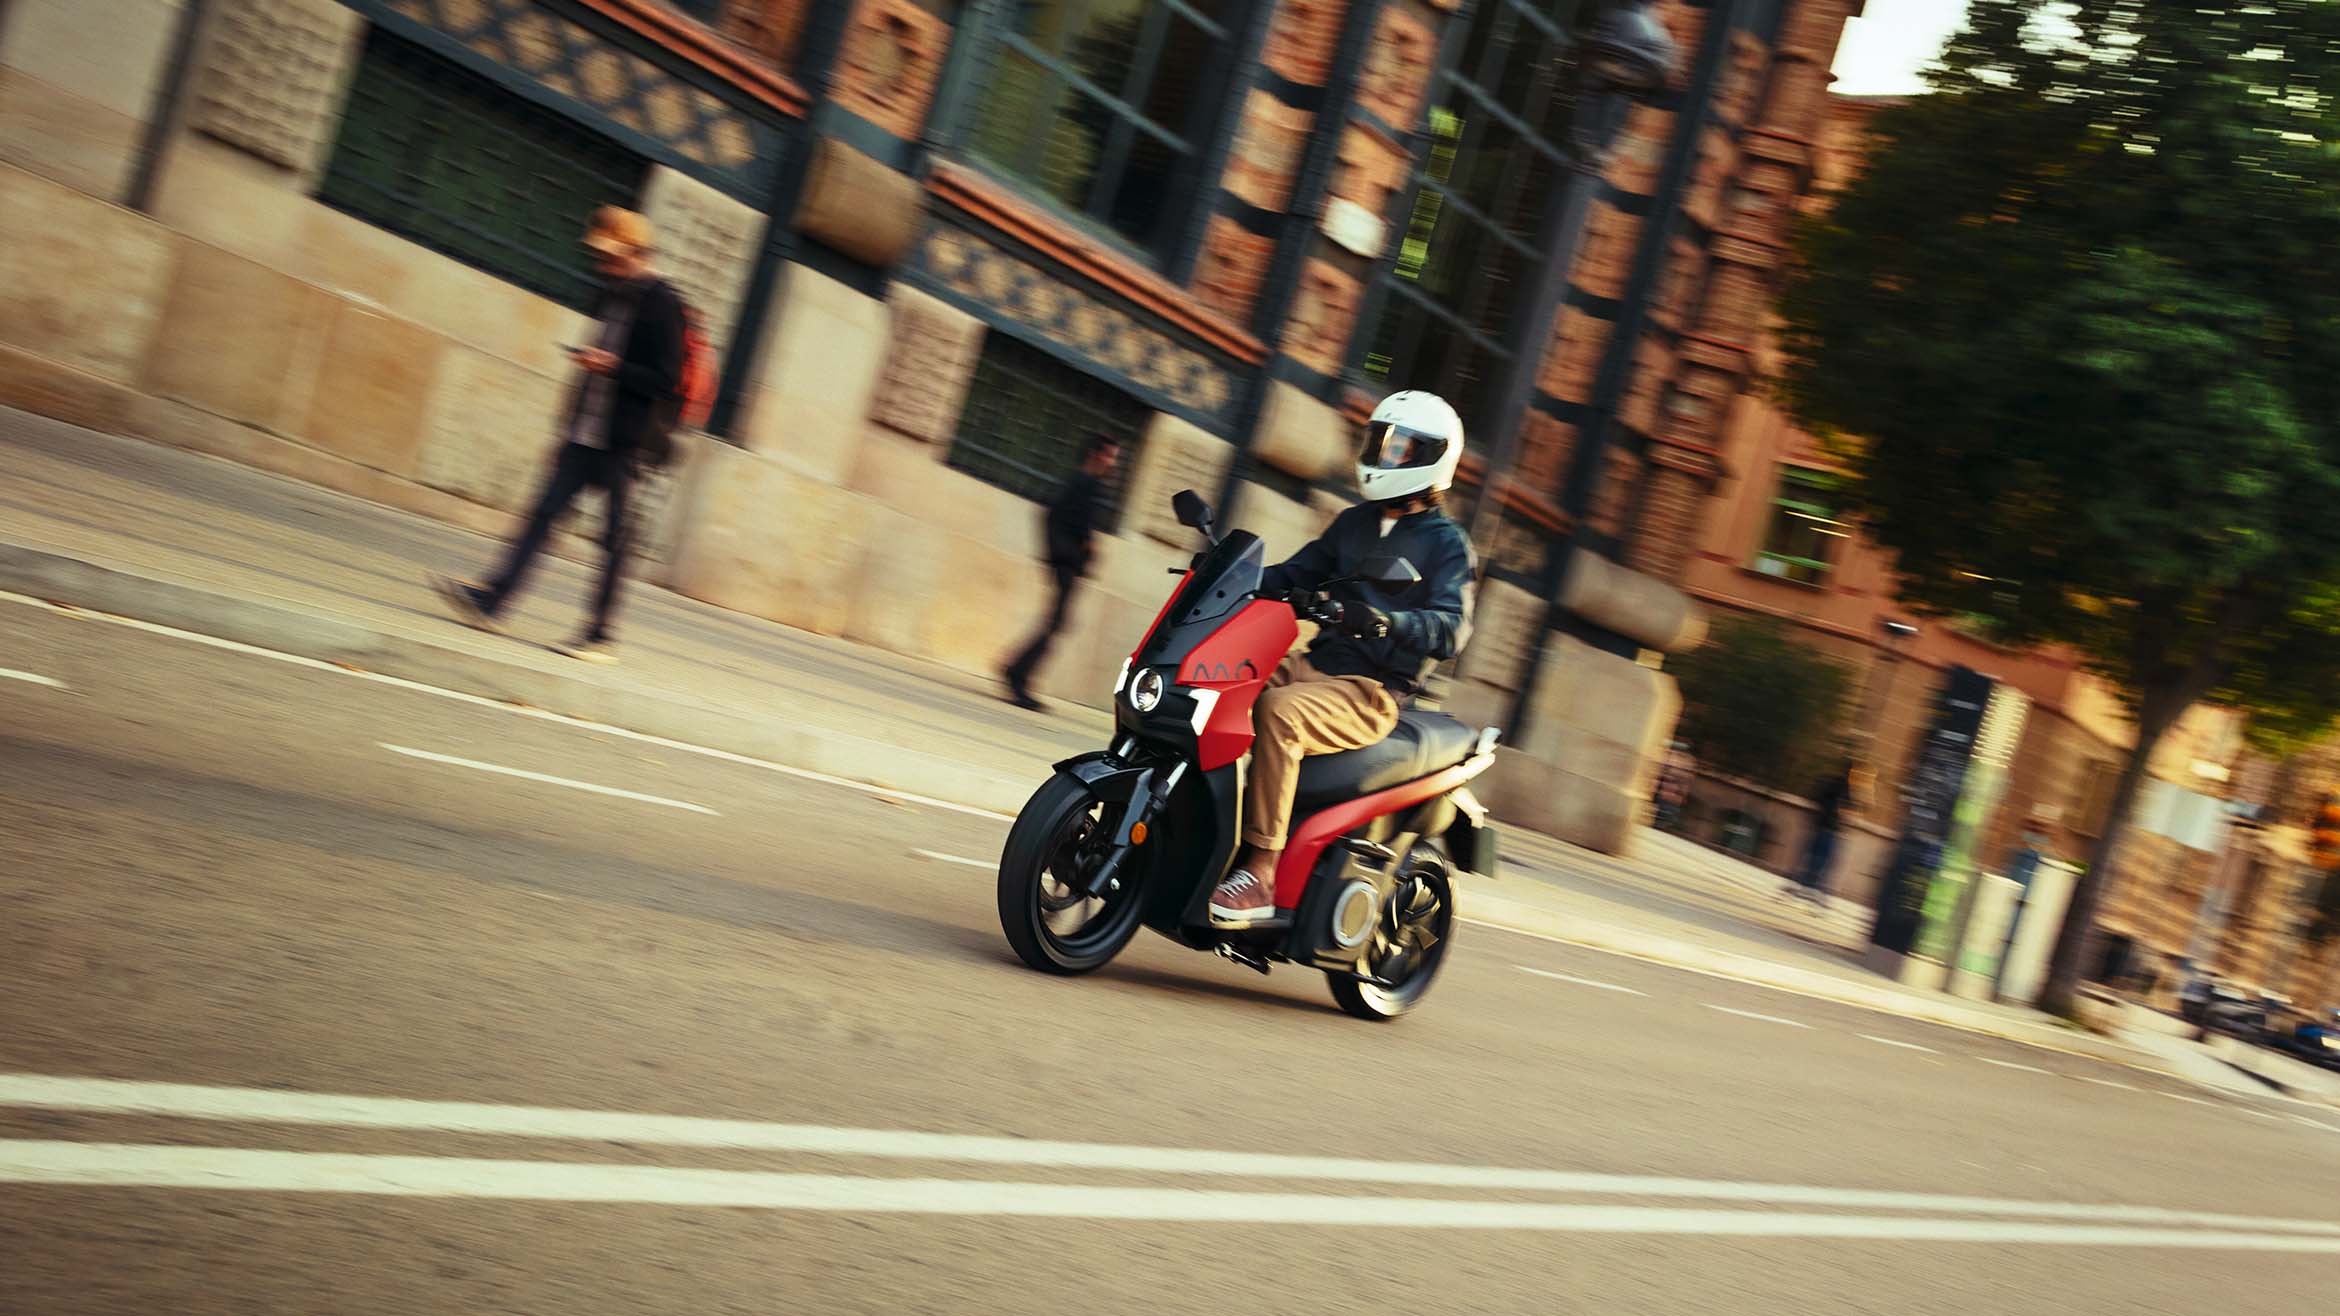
x,y
1060,838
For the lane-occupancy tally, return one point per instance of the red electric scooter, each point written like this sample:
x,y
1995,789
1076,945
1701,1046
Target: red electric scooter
x,y
1140,833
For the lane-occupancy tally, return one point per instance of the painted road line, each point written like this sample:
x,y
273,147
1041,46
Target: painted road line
x,y
942,858
525,775
2009,1064
2191,1101
31,678
2107,1083
218,1169
1906,1046
1581,982
1750,1014
312,1109
482,701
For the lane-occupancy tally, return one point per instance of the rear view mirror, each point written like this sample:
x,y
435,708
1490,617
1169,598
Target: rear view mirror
x,y
1389,572
1193,512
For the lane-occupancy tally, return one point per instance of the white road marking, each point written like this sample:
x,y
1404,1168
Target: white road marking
x,y
525,775
2191,1101
277,1106
1581,982
31,678
1906,1046
942,858
1750,1014
2009,1064
2314,1124
482,701
2260,1114
236,1169
2106,1083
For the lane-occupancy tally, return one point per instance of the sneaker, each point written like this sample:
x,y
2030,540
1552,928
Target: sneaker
x,y
1242,900
1020,695
599,652
467,601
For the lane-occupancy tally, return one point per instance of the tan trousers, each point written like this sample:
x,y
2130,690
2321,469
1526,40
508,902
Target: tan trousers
x,y
1305,712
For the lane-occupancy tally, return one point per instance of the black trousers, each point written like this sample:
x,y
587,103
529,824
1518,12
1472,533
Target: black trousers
x,y
576,469
1067,581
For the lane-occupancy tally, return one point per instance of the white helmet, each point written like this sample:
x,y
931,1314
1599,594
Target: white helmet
x,y
1412,445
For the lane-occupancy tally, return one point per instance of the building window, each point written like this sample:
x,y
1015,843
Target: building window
x,y
1448,312
1104,105
1801,543
1027,414
437,154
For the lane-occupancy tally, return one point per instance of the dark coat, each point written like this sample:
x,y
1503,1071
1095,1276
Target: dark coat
x,y
646,400
1070,530
1428,621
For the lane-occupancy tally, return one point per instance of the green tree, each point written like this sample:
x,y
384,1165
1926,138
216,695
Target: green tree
x,y
2078,310
1758,704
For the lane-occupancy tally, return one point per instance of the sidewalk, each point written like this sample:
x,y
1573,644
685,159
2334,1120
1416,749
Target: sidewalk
x,y
165,536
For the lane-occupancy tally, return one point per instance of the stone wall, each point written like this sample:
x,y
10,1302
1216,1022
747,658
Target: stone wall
x,y
76,81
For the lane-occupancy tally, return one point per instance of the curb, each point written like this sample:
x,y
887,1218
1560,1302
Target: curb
x,y
1515,916
72,582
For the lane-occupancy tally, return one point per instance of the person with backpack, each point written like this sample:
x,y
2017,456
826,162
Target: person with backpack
x,y
645,371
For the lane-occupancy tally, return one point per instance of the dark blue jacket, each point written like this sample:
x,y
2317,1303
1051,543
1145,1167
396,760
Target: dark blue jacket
x,y
1428,621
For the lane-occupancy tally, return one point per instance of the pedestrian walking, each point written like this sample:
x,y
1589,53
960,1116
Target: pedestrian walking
x,y
1068,536
619,421
1842,789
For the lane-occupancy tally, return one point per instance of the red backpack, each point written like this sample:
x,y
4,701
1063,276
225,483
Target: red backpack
x,y
697,389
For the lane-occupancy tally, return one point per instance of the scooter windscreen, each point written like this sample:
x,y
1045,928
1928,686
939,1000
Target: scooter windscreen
x,y
1224,579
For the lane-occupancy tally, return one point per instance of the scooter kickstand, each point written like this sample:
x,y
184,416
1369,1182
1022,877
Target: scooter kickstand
x,y
1241,956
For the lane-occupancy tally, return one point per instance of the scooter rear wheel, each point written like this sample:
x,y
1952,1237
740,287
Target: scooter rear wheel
x,y
1409,942
1061,836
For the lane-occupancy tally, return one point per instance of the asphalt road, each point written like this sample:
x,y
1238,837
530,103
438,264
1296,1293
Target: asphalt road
x,y
313,1005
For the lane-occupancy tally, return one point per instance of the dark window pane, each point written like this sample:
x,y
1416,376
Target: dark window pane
x,y
1021,97
1527,72
1049,24
1217,11
1108,45
1027,414
1456,246
433,153
1502,286
1073,148
1490,154
1178,77
1143,196
1523,215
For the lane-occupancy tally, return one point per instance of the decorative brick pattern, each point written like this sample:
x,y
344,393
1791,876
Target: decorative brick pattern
x,y
1605,261
276,75
1671,299
706,244
1545,446
1573,355
1372,170
1670,517
1300,41
1323,314
1234,263
1267,151
892,59
1397,67
930,361
579,63
1620,476
1742,78
969,267
768,27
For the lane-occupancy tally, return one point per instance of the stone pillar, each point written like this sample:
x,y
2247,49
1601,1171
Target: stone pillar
x,y
707,244
816,375
274,75
930,362
1584,773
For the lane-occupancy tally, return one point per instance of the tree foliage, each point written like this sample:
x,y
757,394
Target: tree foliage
x,y
1758,704
2073,330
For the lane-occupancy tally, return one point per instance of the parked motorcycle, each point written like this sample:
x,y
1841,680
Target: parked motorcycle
x,y
1140,833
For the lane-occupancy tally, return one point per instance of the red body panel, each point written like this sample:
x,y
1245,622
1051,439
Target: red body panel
x,y
1237,661
1159,615
1319,830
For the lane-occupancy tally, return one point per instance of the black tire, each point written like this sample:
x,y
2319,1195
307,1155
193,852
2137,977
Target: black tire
x,y
1409,958
1051,841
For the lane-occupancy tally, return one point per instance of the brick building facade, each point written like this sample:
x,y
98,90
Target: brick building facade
x,y
938,241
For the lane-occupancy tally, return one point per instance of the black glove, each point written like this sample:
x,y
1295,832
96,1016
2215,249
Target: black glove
x,y
1360,621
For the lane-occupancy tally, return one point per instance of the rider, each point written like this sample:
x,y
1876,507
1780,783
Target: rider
x,y
1374,648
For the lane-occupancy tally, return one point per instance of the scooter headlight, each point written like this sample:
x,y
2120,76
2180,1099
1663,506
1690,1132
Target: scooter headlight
x,y
1145,693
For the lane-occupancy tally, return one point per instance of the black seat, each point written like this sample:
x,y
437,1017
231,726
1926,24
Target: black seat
x,y
1423,743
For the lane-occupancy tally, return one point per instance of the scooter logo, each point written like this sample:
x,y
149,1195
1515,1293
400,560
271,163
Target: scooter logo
x,y
1244,671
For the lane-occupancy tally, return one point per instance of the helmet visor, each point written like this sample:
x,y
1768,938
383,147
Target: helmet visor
x,y
1395,448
